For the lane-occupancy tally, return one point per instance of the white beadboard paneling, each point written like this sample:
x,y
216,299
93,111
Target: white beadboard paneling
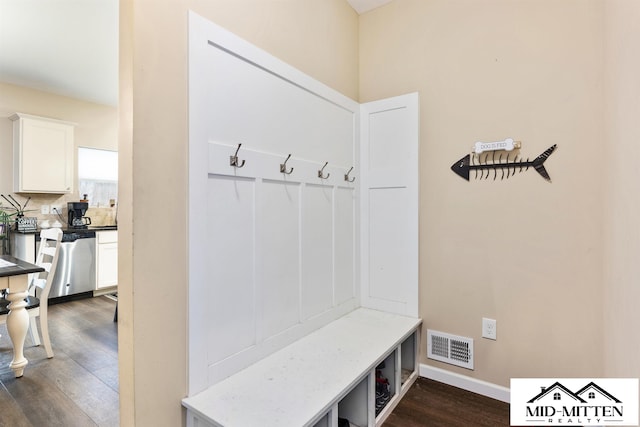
x,y
317,250
344,245
230,287
279,257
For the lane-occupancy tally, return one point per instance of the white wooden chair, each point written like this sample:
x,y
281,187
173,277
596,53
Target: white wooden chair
x,y
47,258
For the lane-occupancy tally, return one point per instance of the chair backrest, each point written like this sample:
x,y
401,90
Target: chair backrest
x,y
47,258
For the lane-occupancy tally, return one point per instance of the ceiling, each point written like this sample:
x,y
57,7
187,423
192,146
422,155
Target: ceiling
x,y
67,47
70,47
362,6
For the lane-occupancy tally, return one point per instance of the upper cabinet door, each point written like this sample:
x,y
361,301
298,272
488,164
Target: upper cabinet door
x,y
43,154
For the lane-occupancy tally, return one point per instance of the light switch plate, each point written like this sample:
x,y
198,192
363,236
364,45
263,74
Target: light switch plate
x,y
44,209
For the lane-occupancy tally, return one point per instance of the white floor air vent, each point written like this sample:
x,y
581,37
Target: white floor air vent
x,y
449,348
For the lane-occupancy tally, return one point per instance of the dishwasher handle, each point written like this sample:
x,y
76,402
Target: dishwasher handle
x,y
73,236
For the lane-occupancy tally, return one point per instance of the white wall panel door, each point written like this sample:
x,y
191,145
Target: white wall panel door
x,y
317,250
231,290
389,233
278,257
344,273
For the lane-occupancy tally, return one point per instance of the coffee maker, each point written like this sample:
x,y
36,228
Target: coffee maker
x,y
76,212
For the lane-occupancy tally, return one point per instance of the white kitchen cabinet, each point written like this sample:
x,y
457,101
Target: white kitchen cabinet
x,y
106,259
43,155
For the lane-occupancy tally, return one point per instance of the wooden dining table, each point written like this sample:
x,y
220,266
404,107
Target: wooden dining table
x,y
14,276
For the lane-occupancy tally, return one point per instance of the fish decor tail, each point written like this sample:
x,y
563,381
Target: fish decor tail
x,y
507,168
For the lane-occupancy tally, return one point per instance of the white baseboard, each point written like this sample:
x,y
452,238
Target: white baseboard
x,y
483,388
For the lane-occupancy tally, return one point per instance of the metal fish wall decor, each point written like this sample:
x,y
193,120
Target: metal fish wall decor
x,y
502,163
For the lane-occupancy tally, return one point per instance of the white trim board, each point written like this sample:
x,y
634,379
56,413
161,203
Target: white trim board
x,y
464,382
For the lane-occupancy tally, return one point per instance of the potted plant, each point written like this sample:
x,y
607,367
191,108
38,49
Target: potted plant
x,y
22,223
5,230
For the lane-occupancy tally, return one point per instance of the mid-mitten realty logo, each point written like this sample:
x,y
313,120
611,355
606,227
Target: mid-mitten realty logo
x,y
574,401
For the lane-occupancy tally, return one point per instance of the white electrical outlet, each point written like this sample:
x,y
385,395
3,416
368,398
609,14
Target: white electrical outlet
x,y
44,209
489,329
56,209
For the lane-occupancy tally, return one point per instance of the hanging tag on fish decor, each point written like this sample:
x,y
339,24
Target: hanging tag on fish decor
x,y
503,165
508,145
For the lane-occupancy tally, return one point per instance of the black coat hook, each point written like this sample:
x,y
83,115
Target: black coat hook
x,y
283,166
321,172
346,176
233,160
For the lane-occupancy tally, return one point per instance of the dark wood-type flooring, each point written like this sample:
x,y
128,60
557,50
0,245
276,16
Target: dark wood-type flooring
x,y
79,385
432,404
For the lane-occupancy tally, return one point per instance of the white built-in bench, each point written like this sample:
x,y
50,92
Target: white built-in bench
x,y
327,374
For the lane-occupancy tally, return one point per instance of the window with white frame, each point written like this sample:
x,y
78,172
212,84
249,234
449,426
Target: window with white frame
x,y
98,176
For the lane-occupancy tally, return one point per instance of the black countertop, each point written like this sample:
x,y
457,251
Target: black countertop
x,y
68,230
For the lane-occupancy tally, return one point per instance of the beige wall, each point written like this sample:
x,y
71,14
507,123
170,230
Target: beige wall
x,y
622,198
126,347
523,251
317,36
533,255
97,125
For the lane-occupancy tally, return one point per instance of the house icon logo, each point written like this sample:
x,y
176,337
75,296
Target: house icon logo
x,y
573,401
587,394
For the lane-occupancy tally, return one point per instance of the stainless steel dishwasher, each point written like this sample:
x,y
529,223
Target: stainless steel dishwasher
x,y
76,270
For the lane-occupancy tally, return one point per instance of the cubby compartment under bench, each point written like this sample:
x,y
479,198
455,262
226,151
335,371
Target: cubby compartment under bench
x,y
326,375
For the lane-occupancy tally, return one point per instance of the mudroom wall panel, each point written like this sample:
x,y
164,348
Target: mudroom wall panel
x,y
345,279
232,299
269,149
388,261
317,251
279,257
389,198
284,118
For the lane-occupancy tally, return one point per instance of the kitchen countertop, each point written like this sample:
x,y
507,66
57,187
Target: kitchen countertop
x,y
67,230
